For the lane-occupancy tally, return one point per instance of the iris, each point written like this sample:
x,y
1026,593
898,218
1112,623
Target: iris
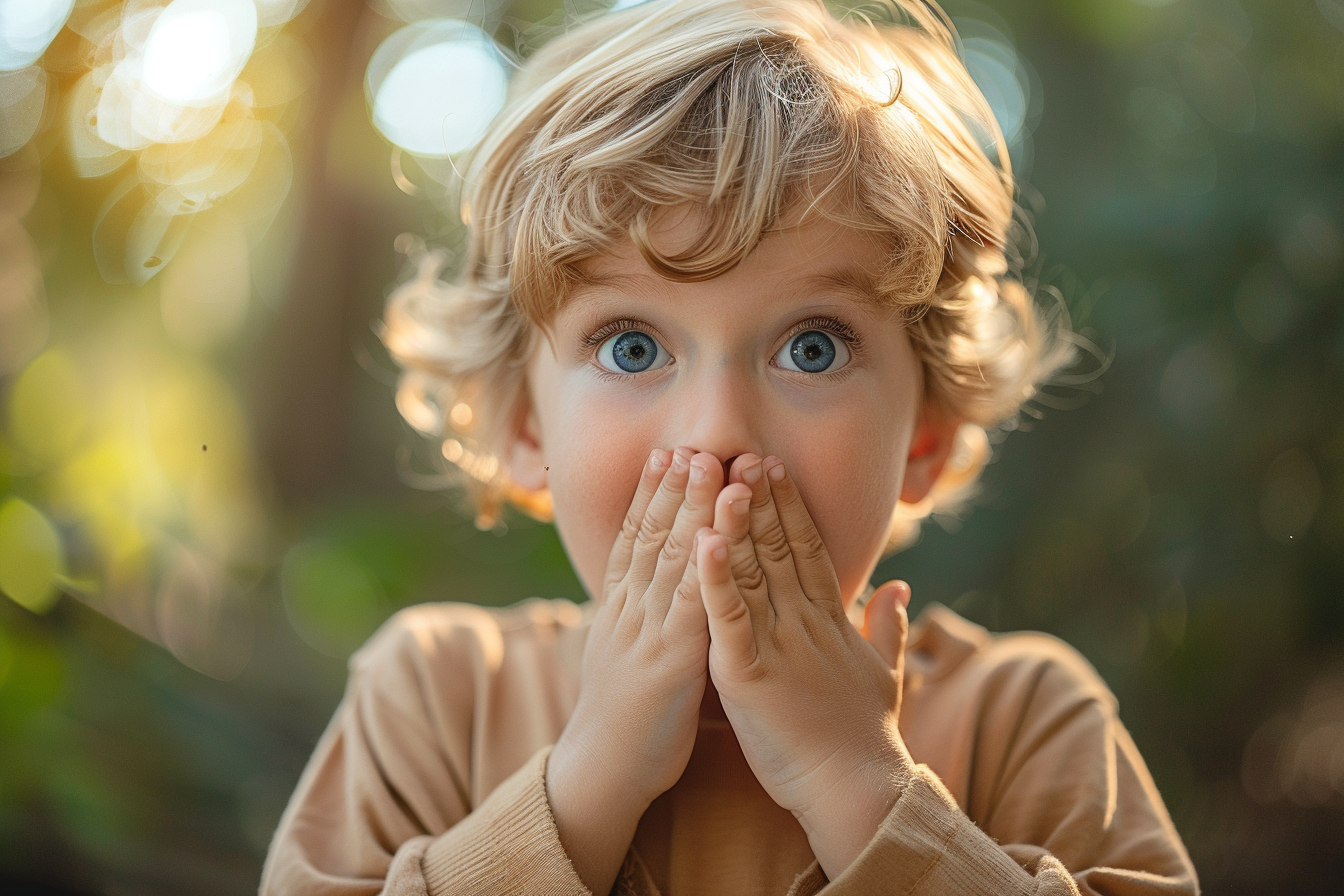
x,y
813,351
634,351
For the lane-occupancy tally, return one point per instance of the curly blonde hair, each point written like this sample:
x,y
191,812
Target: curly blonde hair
x,y
749,109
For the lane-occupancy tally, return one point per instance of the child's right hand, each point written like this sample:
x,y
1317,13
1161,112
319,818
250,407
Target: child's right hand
x,y
645,666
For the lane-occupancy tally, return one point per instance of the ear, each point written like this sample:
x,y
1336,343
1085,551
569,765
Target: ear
x,y
524,452
930,447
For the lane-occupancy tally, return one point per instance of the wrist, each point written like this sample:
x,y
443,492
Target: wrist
x,y
842,820
595,817
588,766
872,784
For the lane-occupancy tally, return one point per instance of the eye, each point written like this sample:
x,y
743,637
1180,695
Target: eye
x,y
813,351
632,351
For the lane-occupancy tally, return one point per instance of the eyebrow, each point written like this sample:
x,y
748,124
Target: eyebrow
x,y
850,279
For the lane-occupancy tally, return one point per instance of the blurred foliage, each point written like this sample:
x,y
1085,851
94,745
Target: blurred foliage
x,y
207,498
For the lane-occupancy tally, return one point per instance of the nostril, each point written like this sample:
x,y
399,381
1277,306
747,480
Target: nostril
x,y
728,465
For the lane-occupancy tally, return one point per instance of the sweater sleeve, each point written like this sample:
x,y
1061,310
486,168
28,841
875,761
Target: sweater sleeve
x,y
383,806
1069,807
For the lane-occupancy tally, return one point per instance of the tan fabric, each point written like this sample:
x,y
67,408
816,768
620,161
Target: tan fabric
x,y
430,779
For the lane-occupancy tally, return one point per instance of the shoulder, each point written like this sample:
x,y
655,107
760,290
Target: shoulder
x,y
438,639
1029,666
980,706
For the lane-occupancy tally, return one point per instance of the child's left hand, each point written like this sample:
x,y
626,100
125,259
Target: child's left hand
x,y
814,704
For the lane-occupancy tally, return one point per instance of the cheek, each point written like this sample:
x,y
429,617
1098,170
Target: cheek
x,y
596,453
850,488
849,469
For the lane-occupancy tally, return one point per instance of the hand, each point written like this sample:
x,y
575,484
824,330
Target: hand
x,y
644,670
813,702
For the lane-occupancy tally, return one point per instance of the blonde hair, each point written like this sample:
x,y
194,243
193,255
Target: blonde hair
x,y
750,109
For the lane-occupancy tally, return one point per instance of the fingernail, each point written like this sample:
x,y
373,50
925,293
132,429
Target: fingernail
x,y
776,473
679,462
698,473
739,506
656,460
720,552
751,474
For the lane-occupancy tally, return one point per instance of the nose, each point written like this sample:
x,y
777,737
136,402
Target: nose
x,y
722,413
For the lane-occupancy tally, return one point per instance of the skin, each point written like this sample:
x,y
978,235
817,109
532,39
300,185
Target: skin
x,y
725,511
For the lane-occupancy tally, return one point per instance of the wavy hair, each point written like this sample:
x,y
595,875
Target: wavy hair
x,y
750,109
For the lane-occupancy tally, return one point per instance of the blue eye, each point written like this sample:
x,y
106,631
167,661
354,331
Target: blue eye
x,y
813,351
631,352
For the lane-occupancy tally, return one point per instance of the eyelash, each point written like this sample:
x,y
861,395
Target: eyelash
x,y
825,324
836,328
605,332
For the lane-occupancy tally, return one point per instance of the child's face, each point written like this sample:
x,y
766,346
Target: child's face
x,y
723,366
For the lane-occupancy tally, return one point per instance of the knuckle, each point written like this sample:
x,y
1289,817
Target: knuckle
x,y
810,547
687,590
772,544
738,612
748,574
675,547
650,532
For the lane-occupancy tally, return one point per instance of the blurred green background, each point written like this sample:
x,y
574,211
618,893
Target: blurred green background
x,y
208,499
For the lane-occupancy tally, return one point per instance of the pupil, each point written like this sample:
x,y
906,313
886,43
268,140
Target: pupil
x,y
813,351
634,351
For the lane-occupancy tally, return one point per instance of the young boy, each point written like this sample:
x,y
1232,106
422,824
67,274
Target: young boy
x,y
735,311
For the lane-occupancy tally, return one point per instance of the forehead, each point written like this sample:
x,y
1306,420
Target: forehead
x,y
805,256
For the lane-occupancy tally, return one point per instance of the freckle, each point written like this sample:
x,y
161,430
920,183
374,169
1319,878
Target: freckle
x,y
202,447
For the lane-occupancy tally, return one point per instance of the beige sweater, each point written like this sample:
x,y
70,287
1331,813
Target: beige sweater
x,y
430,778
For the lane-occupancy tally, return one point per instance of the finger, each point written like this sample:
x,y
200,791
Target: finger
x,y
659,518
731,512
730,629
705,479
811,560
884,621
741,462
686,616
654,469
768,540
732,519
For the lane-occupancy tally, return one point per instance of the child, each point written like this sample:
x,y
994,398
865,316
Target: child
x,y
736,311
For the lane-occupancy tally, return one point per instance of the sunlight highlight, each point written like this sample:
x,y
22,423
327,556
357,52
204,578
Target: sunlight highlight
x,y
197,47
27,28
434,87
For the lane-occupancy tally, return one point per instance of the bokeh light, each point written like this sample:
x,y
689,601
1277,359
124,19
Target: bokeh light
x,y
27,28
208,499
23,97
197,47
433,87
1198,384
31,557
277,12
49,408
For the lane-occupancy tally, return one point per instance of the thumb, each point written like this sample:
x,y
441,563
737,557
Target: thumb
x,y
885,624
